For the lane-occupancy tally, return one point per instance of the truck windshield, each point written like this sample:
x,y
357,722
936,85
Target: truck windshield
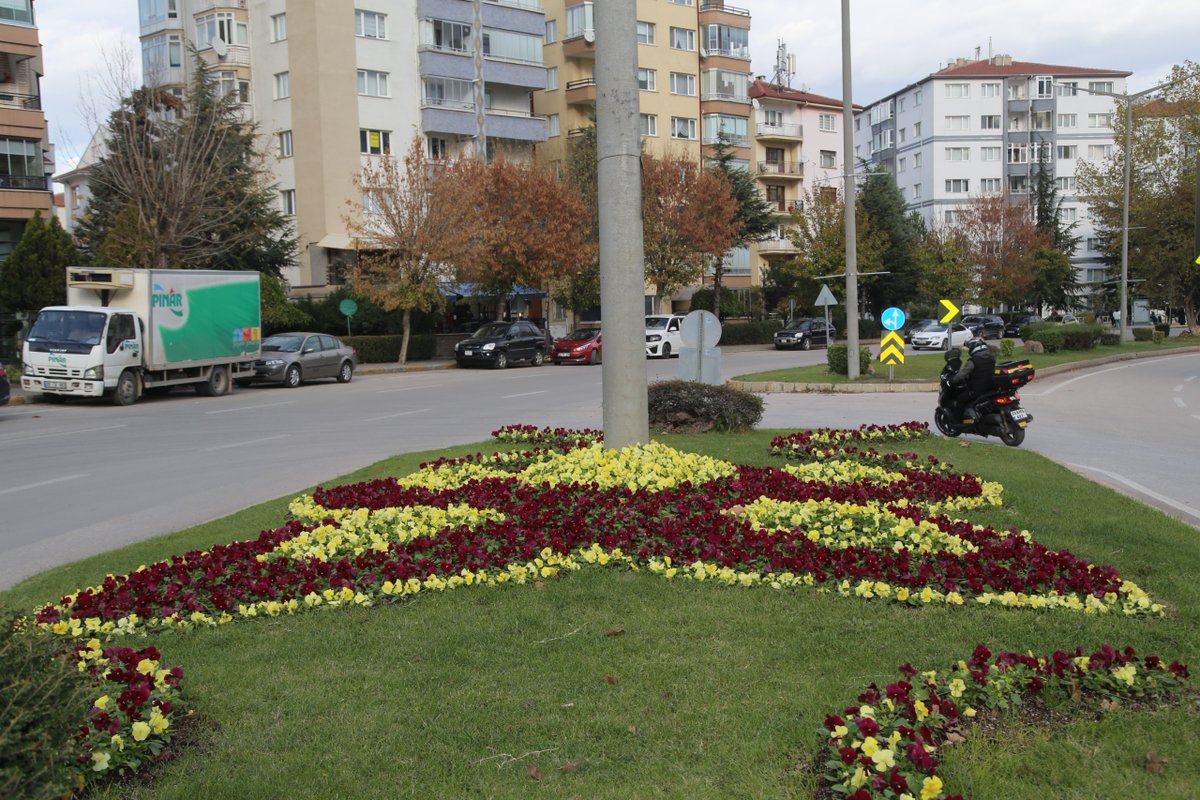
x,y
72,331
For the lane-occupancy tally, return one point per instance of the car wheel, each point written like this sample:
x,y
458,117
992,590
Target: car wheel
x,y
538,358
666,350
126,392
946,343
806,343
292,378
593,358
501,360
346,372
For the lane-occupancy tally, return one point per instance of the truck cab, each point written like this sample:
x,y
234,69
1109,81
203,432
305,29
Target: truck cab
x,y
82,351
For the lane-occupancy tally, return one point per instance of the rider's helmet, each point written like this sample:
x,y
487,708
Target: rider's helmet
x,y
976,345
953,355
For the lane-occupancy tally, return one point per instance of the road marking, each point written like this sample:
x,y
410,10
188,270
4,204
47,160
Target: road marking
x,y
410,388
1179,388
401,414
62,433
1179,402
1137,487
1138,363
13,489
523,394
243,444
1189,380
252,408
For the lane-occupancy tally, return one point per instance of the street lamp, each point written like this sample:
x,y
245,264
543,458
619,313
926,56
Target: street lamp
x,y
1129,99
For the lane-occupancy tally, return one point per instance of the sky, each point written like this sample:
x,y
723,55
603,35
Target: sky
x,y
893,44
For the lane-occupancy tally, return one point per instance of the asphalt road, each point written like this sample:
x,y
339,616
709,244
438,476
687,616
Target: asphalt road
x,y
85,477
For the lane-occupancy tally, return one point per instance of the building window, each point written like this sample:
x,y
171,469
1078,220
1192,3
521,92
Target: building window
x,y
683,39
1100,120
278,27
1040,121
951,216
284,148
551,31
372,83
958,154
551,79
989,154
1045,86
990,122
958,123
683,128
828,159
1093,244
1099,152
159,53
990,185
1018,184
916,130
21,164
903,135
374,143
682,2
512,46
916,191
648,124
645,33
956,90
733,128
901,164
727,40
827,122
440,34
1068,152
647,79
282,86
552,125
448,92
1100,86
917,97
288,199
1018,153
957,186
1067,89
1066,214
1017,122
989,90
683,83
900,104
370,24
437,148
220,25
916,160
1067,120
1016,89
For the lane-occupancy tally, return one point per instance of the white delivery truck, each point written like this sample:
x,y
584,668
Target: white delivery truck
x,y
127,330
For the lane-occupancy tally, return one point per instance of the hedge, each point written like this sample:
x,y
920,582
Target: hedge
x,y
1080,337
1048,333
836,357
750,332
1143,334
386,349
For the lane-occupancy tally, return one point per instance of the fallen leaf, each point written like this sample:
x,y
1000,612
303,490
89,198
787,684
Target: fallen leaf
x,y
667,695
1076,694
610,678
614,632
633,728
572,766
1154,763
533,772
539,585
1110,705
954,738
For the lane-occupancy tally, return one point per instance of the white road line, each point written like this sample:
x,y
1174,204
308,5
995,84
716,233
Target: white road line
x,y
1178,388
1137,487
243,444
1137,363
252,408
1179,402
1189,380
410,388
21,440
13,489
401,414
523,394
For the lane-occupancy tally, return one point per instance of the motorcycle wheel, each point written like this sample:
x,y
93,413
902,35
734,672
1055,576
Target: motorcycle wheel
x,y
1011,433
942,419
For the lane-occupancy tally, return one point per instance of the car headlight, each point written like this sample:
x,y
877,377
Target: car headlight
x,y
489,346
93,374
273,362
653,337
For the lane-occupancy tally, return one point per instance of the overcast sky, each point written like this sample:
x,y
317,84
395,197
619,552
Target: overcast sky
x,y
894,44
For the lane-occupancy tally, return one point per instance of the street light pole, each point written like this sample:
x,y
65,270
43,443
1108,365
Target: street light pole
x,y
848,197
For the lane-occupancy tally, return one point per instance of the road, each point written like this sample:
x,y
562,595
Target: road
x,y
85,477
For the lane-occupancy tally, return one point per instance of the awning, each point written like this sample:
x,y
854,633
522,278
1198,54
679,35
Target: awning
x,y
337,241
473,290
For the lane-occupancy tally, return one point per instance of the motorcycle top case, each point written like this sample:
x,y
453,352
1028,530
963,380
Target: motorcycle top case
x,y
1014,374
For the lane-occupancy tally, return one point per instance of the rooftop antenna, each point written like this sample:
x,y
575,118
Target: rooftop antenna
x,y
989,48
785,67
977,49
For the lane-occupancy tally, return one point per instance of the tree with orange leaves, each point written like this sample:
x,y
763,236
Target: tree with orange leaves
x,y
1001,237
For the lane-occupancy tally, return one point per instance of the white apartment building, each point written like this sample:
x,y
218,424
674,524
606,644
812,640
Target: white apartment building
x,y
332,84
977,127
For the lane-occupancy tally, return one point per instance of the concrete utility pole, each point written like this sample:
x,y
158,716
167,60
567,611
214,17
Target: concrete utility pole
x,y
622,259
848,197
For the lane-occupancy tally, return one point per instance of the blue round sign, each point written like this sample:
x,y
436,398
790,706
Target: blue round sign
x,y
892,318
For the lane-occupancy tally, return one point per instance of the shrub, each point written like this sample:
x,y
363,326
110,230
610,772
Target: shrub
x,y
869,329
1159,337
386,349
1109,339
750,332
1050,335
691,406
836,356
1080,337
1007,348
1165,327
41,693
1143,334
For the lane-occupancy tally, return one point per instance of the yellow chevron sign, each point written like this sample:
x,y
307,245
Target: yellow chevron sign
x,y
891,348
951,311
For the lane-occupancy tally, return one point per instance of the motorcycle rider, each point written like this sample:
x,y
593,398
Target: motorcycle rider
x,y
976,377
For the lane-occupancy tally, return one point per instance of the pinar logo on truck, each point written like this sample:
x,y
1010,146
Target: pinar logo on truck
x,y
168,299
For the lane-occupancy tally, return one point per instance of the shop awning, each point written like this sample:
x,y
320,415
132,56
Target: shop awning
x,y
473,290
338,241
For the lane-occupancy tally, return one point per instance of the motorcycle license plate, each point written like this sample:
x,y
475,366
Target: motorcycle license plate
x,y
1019,414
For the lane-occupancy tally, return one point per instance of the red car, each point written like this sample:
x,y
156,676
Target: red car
x,y
578,347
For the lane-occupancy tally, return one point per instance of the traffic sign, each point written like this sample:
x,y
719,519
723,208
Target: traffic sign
x,y
951,311
892,318
825,297
891,348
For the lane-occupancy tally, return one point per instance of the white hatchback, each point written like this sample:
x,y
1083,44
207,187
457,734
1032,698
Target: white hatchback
x,y
940,337
662,335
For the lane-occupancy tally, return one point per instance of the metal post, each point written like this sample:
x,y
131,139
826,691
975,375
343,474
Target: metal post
x,y
849,201
1125,221
622,259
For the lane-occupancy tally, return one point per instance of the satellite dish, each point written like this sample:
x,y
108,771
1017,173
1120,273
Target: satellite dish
x,y
703,53
589,36
219,47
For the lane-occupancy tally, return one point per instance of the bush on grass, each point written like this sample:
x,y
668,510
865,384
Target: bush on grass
x,y
386,349
693,406
1007,348
1080,337
750,332
1049,334
1110,339
1159,337
1143,334
1165,327
838,360
41,693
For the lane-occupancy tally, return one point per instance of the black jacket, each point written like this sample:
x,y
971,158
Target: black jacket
x,y
978,373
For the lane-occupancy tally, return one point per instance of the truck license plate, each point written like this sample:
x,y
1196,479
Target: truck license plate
x,y
55,384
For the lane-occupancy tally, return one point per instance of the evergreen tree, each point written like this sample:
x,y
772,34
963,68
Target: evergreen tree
x,y
754,219
580,290
886,211
1048,218
35,273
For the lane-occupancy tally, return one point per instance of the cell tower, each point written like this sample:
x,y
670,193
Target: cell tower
x,y
785,67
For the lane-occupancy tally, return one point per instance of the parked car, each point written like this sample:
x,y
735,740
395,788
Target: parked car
x,y
916,326
993,326
804,333
1069,319
1013,329
662,335
5,389
580,346
940,336
295,357
498,344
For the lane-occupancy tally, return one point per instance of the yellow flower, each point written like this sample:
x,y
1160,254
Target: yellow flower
x,y
884,759
100,760
102,702
140,731
118,741
931,787
1125,673
870,745
158,723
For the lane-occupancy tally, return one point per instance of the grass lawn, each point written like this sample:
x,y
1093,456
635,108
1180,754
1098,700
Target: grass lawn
x,y
925,365
611,684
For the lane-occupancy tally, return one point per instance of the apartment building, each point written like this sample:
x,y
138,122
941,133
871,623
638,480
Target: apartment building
x,y
331,84
26,155
798,152
694,79
979,127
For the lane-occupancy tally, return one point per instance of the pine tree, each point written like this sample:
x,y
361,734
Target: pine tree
x,y
35,273
886,211
753,217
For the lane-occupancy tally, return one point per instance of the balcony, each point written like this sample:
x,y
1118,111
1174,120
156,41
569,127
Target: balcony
x,y
581,92
718,5
784,131
777,247
785,206
26,183
781,169
581,46
28,102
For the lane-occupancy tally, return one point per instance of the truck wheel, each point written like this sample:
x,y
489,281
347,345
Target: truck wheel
x,y
346,372
291,378
126,393
217,384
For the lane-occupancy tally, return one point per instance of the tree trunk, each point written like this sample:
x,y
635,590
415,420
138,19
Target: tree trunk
x,y
717,276
406,319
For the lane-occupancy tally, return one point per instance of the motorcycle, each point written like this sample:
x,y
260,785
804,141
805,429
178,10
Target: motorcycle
x,y
996,413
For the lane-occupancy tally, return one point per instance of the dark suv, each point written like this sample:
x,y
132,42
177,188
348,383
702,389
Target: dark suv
x,y
498,344
993,326
804,333
1013,329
